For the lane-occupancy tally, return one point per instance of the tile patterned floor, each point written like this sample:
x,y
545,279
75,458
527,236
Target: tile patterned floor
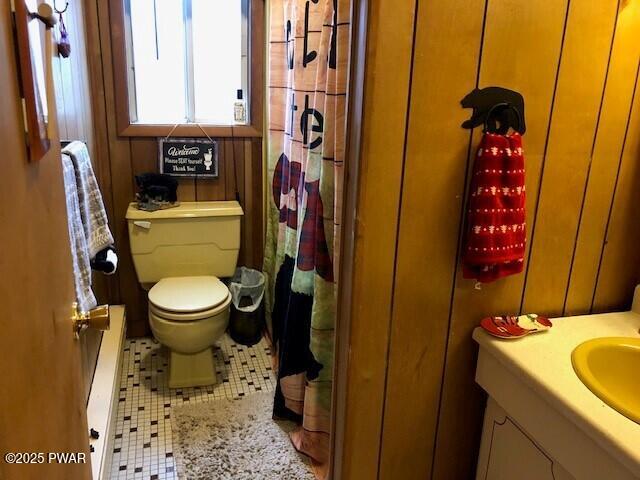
x,y
142,447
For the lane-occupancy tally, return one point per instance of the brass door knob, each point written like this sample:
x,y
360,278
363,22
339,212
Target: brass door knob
x,y
97,318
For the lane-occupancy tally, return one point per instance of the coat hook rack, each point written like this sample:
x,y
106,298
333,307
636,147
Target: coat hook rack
x,y
497,108
46,15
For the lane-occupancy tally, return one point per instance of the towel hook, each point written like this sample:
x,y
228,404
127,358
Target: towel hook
x,y
505,122
488,100
55,7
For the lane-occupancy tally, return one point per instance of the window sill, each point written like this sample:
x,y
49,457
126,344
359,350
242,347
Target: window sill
x,y
190,130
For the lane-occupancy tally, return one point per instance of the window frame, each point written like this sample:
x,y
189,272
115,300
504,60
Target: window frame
x,y
126,128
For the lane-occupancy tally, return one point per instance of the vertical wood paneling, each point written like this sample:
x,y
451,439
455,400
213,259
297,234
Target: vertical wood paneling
x,y
125,157
122,189
388,68
583,70
576,64
187,190
74,112
144,157
616,280
521,51
253,161
238,164
427,223
97,102
248,200
141,157
607,151
215,189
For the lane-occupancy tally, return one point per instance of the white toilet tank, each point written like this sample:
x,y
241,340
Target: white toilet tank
x,y
194,238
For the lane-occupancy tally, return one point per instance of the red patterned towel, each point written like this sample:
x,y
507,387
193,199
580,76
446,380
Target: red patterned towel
x,y
496,235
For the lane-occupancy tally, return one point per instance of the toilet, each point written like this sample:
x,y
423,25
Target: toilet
x,y
179,255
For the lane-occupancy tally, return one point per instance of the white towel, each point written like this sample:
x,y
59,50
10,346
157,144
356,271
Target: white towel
x,y
92,211
78,241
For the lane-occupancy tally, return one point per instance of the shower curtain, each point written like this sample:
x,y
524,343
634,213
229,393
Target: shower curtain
x,y
307,96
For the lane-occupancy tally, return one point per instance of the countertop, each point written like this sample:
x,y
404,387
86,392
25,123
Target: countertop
x,y
543,361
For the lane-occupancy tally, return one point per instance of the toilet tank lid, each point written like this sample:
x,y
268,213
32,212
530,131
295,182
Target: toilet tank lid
x,y
228,208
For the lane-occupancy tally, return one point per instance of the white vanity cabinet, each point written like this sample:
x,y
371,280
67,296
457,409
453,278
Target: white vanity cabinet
x,y
541,421
507,452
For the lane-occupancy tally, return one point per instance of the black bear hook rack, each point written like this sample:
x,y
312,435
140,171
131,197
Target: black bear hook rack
x,y
497,108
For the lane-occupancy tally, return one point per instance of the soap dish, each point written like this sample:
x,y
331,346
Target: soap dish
x,y
512,326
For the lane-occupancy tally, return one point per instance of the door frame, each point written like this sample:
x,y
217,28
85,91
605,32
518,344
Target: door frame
x,y
357,62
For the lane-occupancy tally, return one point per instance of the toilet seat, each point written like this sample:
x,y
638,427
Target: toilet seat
x,y
189,298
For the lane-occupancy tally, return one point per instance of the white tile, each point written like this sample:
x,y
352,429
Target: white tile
x,y
147,388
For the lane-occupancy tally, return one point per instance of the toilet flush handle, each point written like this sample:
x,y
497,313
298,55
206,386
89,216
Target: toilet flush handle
x,y
142,224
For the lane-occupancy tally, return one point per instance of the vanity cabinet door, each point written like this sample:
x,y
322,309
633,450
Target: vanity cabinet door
x,y
513,455
508,453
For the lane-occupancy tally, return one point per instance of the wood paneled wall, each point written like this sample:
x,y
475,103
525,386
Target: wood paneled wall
x,y
125,157
412,359
75,122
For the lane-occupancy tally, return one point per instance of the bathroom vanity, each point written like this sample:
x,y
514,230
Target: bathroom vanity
x,y
541,421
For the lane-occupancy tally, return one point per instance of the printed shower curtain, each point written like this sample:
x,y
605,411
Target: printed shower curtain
x,y
308,72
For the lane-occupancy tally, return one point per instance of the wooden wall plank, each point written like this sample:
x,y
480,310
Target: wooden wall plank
x,y
521,52
248,201
616,280
607,151
187,190
96,103
253,157
131,294
98,106
585,58
421,301
208,189
389,43
237,169
144,157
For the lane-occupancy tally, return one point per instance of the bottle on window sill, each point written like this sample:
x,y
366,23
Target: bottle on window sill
x,y
240,109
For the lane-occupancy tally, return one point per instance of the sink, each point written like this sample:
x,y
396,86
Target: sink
x,y
610,368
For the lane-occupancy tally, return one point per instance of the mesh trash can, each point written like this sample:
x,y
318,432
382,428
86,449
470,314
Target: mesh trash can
x,y
247,307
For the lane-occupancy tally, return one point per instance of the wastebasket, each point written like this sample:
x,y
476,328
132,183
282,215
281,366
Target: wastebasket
x,y
247,310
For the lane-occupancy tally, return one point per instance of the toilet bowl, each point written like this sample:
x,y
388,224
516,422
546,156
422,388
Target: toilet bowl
x,y
178,254
188,315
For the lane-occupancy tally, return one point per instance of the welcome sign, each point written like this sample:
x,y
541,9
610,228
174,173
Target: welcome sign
x,y
188,157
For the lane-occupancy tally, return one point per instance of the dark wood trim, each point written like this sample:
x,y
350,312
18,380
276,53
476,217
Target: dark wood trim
x,y
257,79
189,130
119,64
357,64
100,154
256,82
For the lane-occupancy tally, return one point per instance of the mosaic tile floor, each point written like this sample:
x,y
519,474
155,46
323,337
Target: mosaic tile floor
x,y
142,447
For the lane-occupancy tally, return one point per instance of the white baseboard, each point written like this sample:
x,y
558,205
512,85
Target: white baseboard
x,y
103,399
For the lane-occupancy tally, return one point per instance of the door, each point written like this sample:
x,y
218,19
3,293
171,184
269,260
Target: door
x,y
42,405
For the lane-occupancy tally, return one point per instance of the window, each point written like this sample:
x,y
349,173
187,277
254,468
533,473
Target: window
x,y
187,61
